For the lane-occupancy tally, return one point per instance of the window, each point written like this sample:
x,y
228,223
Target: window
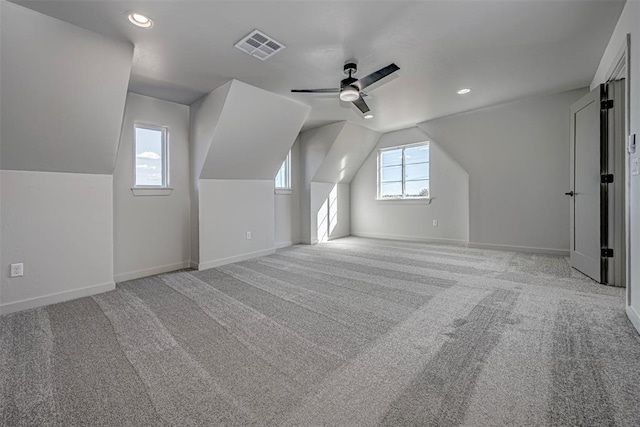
x,y
283,178
403,172
151,169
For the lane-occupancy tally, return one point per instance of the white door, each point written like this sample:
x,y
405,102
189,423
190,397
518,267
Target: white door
x,y
585,211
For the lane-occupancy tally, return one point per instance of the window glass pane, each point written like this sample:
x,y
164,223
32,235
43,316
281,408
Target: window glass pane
x,y
390,189
149,162
391,157
417,154
417,188
281,181
418,171
391,173
283,178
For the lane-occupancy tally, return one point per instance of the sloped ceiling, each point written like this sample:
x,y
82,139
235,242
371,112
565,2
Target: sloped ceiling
x,y
347,153
315,144
204,116
502,49
253,134
63,94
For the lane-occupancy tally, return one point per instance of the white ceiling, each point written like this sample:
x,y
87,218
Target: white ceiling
x,y
502,49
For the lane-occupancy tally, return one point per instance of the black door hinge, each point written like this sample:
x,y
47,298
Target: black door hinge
x,y
606,178
605,105
606,253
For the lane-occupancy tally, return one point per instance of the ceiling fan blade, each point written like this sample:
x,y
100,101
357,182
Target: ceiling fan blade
x,y
332,90
362,106
378,75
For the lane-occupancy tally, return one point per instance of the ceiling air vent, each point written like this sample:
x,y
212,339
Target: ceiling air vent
x,y
259,45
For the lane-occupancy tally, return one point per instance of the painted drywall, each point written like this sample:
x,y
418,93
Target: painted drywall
x,y
228,210
287,206
239,133
255,131
330,155
346,154
151,233
204,116
314,146
629,23
330,211
63,94
517,158
412,220
60,226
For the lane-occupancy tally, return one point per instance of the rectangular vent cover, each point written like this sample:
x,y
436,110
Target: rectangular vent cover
x,y
259,45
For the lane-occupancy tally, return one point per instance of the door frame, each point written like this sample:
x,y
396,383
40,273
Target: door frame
x,y
620,68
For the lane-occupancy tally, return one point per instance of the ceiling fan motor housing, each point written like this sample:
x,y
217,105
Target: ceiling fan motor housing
x,y
350,68
350,81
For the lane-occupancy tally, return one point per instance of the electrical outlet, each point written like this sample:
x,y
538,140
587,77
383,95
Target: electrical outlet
x,y
248,235
635,166
435,222
17,270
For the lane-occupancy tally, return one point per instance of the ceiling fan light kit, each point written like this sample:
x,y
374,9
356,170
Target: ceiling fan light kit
x,y
349,93
351,88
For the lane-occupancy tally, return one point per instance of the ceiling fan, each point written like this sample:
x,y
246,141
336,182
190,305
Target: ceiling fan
x,y
350,89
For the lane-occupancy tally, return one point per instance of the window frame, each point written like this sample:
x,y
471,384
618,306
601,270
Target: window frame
x,y
287,189
164,154
404,190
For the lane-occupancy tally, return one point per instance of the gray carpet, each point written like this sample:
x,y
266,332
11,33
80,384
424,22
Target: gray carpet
x,y
354,332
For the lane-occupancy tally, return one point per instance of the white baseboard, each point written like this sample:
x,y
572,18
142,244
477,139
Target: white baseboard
x,y
193,265
634,317
26,304
525,249
340,236
280,245
410,238
151,271
237,258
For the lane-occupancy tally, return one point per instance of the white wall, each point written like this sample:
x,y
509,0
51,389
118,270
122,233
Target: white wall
x,y
331,155
287,206
412,220
63,94
254,132
151,233
60,226
330,211
629,23
517,157
239,137
204,116
314,146
228,209
62,104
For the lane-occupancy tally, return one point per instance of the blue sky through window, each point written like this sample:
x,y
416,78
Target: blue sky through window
x,y
149,157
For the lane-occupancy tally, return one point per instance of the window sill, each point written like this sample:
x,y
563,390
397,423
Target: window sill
x,y
283,191
149,191
416,201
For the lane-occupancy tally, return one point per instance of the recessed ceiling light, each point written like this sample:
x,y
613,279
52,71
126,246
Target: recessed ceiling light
x,y
140,20
368,116
464,91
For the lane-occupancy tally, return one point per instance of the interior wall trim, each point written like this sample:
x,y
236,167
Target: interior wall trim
x,y
151,271
41,301
525,249
237,258
411,238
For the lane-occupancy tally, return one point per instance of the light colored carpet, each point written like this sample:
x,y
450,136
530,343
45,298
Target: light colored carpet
x,y
354,332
